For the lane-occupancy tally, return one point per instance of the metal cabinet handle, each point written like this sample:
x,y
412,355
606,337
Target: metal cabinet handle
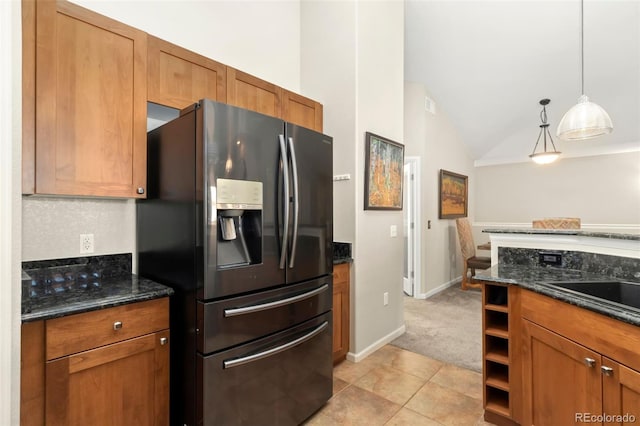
x,y
117,325
140,190
590,362
164,341
607,371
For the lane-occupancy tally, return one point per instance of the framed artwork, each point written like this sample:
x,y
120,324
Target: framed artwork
x,y
453,195
383,174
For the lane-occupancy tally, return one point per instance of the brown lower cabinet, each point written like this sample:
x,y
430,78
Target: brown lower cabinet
x,y
558,382
547,362
103,367
340,312
578,365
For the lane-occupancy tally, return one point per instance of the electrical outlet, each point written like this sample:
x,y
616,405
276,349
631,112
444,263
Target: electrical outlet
x,y
86,243
385,298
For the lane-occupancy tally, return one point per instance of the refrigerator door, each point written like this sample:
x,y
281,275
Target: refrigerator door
x,y
242,150
280,379
235,320
310,252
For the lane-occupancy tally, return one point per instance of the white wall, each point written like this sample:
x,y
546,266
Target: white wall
x,y
352,61
265,43
380,110
328,74
603,191
433,138
53,226
261,37
10,130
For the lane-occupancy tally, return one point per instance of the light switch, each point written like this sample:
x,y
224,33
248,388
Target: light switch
x,y
393,231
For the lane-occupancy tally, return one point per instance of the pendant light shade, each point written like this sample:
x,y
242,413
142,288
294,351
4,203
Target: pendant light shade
x,y
546,156
585,120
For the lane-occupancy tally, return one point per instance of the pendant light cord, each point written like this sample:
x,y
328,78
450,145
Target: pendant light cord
x,y
582,44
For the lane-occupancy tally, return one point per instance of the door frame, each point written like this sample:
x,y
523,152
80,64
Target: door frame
x,y
413,189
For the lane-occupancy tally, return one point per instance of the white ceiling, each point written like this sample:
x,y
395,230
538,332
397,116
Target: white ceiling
x,y
486,64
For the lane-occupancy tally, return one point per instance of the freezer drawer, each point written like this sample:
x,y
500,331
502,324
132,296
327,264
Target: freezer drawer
x,y
236,320
278,380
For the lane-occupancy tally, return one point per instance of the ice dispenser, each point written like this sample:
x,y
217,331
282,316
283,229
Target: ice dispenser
x,y
239,221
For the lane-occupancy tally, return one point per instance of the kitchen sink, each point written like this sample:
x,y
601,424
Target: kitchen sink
x,y
617,292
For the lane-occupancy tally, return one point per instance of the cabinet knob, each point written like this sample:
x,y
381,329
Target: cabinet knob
x,y
607,371
164,341
140,190
117,325
590,362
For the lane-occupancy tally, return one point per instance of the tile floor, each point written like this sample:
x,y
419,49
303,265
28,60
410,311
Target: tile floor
x,y
396,387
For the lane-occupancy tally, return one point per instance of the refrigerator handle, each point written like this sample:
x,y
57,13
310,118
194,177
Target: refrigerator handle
x,y
296,205
236,362
285,233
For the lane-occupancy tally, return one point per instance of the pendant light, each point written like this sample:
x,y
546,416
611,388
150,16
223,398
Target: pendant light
x,y
544,157
585,120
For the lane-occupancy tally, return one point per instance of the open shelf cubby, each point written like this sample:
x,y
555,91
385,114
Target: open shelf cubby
x,y
497,401
496,353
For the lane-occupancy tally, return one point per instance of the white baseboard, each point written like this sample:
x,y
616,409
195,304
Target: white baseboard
x,y
440,288
357,357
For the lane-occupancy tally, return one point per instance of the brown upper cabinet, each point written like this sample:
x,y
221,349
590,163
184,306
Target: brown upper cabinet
x,y
90,104
247,91
178,77
302,111
86,80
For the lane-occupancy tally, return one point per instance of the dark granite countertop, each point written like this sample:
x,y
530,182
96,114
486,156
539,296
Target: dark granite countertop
x,y
56,288
533,278
341,253
577,232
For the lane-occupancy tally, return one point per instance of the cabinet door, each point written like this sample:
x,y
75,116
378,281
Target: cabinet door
x,y
559,379
126,383
621,392
340,312
32,374
302,111
247,91
178,77
91,95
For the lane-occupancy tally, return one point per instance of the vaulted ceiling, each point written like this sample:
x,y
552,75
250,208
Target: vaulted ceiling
x,y
486,64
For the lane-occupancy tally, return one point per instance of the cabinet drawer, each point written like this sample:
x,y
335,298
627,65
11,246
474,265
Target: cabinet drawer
x,y
76,333
340,273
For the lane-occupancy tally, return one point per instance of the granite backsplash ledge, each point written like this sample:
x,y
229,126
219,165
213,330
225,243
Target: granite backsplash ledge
x,y
59,287
109,265
342,252
620,267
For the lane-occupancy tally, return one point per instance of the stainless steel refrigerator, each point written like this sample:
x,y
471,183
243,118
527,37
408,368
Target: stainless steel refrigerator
x,y
238,220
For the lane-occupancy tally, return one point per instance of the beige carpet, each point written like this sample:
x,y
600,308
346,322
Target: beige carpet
x,y
447,327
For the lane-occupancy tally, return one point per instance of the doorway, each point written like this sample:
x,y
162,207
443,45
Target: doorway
x,y
411,226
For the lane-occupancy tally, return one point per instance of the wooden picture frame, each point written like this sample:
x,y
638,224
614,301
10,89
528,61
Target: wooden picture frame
x,y
383,173
453,200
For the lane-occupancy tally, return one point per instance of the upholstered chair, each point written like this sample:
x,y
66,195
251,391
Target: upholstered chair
x,y
468,249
